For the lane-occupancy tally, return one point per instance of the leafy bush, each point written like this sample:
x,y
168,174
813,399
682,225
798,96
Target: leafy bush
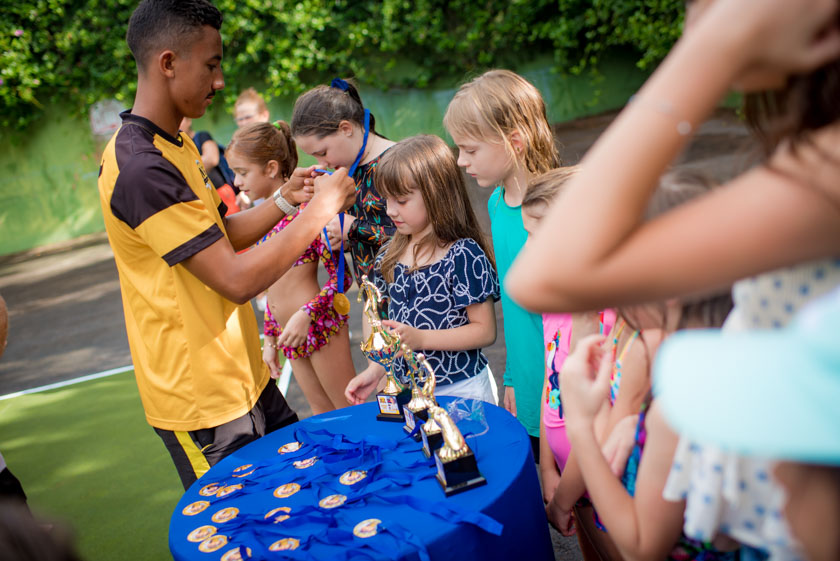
x,y
74,50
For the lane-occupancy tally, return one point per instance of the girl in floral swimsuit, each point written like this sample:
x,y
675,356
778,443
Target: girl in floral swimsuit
x,y
300,320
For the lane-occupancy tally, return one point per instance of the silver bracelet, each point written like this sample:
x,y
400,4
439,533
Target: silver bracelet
x,y
283,204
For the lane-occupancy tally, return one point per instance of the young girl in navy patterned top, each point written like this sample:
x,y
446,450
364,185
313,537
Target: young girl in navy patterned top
x,y
437,272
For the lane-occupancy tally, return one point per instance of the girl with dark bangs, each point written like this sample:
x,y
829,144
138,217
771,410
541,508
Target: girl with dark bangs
x,y
437,272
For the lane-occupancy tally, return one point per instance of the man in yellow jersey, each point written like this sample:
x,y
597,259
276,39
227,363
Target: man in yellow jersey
x,y
193,336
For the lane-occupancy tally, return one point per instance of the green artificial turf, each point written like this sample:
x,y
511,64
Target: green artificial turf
x,y
87,458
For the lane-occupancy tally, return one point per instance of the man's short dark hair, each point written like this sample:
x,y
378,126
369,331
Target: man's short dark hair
x,y
162,24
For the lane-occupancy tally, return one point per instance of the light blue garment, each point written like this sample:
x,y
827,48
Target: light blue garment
x,y
768,393
523,329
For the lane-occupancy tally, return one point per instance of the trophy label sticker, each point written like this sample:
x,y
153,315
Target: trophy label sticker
x,y
332,501
388,404
303,464
209,490
286,490
284,544
280,517
212,544
242,471
366,528
439,465
201,533
234,555
225,514
425,438
410,420
195,508
289,447
225,491
351,477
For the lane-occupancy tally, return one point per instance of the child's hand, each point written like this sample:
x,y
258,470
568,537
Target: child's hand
x,y
510,400
585,381
619,444
563,520
550,478
410,336
360,387
270,357
300,186
334,232
296,329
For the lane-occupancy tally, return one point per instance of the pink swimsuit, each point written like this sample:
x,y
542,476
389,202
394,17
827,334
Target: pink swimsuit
x,y
557,335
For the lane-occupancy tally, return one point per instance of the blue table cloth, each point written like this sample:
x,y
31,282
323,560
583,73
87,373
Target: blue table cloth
x,y
342,485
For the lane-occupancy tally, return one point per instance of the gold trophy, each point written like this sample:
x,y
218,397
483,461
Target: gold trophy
x,y
381,347
418,408
457,469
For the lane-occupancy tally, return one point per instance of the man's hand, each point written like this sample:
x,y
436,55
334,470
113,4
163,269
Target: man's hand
x,y
335,192
297,189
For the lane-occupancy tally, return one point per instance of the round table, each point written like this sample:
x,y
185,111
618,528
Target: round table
x,y
342,485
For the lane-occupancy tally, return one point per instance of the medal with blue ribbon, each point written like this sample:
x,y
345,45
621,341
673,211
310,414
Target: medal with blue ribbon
x,y
341,303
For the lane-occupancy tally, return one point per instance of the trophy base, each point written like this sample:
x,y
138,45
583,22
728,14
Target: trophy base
x,y
459,475
391,406
412,419
431,442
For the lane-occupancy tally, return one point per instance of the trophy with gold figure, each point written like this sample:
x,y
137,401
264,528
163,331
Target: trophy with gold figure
x,y
419,371
381,347
457,469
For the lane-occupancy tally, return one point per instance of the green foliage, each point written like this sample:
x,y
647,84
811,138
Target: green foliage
x,y
74,50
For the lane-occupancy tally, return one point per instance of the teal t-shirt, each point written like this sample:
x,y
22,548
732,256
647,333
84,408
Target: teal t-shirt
x,y
524,369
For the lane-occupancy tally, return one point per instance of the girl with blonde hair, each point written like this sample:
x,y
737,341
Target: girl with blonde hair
x,y
499,123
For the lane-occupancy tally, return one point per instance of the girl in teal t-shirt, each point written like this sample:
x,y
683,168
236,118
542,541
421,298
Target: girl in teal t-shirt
x,y
498,121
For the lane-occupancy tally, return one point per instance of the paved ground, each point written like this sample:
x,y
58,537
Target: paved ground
x,y
66,316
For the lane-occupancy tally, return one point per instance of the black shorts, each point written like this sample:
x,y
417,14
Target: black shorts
x,y
194,452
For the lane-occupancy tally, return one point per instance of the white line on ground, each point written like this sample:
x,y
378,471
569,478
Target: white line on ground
x,y
65,383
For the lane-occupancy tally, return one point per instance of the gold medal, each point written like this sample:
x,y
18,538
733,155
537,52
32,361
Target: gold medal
x,y
284,545
341,303
212,544
366,528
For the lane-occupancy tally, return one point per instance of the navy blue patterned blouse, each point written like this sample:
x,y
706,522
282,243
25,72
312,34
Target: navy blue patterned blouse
x,y
436,297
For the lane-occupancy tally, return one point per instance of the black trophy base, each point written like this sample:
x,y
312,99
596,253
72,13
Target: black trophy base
x,y
413,419
391,406
431,442
459,475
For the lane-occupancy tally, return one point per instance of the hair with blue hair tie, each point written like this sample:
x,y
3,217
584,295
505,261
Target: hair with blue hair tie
x,y
340,84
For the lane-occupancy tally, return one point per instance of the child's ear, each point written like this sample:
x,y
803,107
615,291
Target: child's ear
x,y
272,168
517,141
346,128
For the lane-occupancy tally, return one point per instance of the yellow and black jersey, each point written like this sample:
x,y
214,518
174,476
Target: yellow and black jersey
x,y
196,354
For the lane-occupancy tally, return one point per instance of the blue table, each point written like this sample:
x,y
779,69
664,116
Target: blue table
x,y
270,500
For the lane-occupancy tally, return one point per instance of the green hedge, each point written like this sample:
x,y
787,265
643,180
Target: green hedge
x,y
74,52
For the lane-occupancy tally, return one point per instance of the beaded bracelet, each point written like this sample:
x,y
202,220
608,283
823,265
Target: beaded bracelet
x,y
664,107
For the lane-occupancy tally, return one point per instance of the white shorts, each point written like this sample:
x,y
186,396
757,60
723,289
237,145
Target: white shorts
x,y
481,387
